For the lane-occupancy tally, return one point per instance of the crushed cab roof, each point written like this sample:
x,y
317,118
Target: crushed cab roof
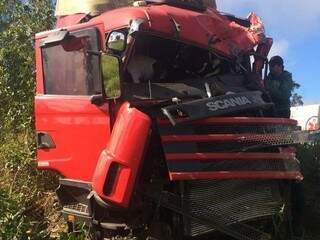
x,y
208,28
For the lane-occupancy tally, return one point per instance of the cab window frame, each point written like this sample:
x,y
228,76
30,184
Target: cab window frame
x,y
93,77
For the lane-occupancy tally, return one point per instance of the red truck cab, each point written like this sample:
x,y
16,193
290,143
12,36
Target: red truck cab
x,y
142,107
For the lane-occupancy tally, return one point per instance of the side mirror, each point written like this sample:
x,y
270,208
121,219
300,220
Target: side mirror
x,y
117,41
110,67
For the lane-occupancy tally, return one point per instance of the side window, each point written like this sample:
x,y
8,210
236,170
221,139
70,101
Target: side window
x,y
70,67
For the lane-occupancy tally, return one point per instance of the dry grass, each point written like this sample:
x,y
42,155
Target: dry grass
x,y
28,203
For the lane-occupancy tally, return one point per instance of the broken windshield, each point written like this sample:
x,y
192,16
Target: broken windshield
x,y
158,59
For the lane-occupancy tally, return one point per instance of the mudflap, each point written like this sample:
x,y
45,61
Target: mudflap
x,y
119,164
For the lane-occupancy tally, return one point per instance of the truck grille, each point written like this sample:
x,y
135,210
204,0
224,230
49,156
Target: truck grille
x,y
230,147
239,200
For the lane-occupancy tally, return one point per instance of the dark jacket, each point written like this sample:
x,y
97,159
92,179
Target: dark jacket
x,y
280,89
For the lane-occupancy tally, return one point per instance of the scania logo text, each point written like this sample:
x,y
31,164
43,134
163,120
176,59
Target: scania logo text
x,y
228,103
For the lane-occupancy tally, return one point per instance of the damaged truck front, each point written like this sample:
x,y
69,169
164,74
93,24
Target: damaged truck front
x,y
157,119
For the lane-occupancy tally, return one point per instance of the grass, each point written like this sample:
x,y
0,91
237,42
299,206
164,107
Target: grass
x,y
28,204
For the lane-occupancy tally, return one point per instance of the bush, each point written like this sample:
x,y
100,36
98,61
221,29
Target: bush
x,y
309,156
27,203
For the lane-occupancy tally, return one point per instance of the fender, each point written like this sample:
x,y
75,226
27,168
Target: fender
x,y
118,165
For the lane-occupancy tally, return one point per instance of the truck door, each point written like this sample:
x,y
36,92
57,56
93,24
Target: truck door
x,y
71,130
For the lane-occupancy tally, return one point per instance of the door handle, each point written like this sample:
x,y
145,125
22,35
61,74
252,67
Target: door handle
x,y
45,141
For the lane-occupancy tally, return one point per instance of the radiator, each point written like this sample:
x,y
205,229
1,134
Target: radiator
x,y
238,200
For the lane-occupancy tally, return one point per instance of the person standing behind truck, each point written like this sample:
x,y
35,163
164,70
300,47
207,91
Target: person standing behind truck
x,y
279,85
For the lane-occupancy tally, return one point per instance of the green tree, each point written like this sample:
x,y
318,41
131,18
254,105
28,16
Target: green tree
x,y
296,99
20,20
20,194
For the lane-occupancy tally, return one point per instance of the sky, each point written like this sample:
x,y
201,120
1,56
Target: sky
x,y
294,26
